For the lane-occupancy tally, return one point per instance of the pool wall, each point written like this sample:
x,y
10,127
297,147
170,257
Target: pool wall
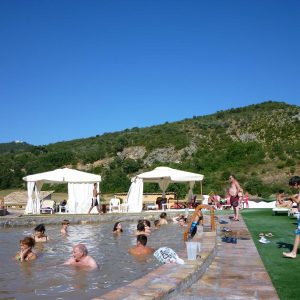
x,y
31,220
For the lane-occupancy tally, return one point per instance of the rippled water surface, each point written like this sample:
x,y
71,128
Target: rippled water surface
x,y
47,278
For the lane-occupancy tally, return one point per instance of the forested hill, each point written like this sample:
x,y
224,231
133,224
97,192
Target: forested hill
x,y
13,147
258,143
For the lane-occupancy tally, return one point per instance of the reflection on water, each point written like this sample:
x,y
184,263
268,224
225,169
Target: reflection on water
x,y
47,278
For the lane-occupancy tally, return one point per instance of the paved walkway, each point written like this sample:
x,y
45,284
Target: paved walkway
x,y
237,271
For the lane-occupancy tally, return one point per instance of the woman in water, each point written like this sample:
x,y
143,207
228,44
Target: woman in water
x,y
117,228
39,234
26,250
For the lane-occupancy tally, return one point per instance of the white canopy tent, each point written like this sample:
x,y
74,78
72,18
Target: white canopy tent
x,y
161,175
80,188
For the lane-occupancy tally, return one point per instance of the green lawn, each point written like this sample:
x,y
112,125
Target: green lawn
x,y
4,193
284,272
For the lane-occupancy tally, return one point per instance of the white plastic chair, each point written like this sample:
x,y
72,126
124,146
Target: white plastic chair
x,y
63,209
114,203
124,205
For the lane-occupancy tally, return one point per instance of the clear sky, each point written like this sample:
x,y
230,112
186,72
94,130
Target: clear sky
x,y
74,69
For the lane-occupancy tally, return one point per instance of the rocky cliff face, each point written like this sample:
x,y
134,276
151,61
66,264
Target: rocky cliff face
x,y
137,152
163,155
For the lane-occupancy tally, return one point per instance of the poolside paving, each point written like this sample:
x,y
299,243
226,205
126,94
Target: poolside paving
x,y
237,271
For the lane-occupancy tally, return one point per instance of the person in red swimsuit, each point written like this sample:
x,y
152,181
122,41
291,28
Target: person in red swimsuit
x,y
246,199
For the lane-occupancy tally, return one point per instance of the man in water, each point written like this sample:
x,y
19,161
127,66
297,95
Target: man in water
x,y
94,199
141,248
81,258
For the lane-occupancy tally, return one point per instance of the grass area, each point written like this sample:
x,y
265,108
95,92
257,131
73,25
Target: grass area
x,y
284,272
57,197
4,193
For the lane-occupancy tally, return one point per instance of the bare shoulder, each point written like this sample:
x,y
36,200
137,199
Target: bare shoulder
x,y
31,256
131,250
92,263
296,198
151,250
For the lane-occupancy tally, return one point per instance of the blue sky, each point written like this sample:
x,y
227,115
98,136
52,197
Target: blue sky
x,y
74,69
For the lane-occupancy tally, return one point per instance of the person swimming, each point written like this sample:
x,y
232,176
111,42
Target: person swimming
x,y
156,224
117,228
64,227
39,234
80,258
141,247
163,218
140,229
26,252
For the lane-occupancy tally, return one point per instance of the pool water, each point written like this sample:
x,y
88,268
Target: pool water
x,y
48,278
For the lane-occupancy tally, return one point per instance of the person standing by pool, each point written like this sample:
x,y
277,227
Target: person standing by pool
x,y
26,250
81,258
141,248
246,199
295,183
95,200
236,193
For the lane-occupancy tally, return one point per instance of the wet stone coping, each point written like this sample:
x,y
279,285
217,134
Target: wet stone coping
x,y
53,219
168,279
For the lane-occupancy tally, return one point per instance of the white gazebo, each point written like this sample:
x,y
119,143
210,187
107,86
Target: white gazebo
x,y
80,188
161,175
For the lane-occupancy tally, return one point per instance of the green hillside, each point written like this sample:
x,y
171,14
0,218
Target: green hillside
x,y
13,147
259,144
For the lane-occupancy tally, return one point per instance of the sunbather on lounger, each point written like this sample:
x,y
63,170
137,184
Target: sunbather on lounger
x,y
282,202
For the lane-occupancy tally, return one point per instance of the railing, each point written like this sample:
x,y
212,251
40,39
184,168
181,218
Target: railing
x,y
212,219
15,205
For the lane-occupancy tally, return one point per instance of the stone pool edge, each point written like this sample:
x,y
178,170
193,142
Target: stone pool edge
x,y
33,220
169,279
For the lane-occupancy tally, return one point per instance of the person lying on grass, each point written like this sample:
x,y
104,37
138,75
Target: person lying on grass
x,y
295,183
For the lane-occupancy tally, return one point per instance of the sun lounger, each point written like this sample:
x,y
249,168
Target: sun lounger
x,y
276,210
47,207
294,214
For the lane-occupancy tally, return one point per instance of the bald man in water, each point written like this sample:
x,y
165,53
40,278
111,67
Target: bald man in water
x,y
81,258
